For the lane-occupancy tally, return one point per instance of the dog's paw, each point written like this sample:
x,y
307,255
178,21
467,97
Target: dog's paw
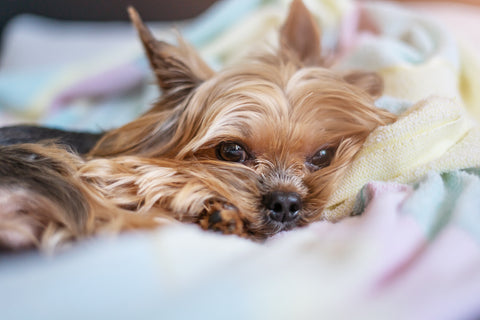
x,y
222,217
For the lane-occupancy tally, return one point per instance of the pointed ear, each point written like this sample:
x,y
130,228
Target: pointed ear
x,y
178,69
370,82
300,35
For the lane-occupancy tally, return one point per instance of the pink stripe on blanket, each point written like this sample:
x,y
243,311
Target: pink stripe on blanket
x,y
355,26
434,279
109,83
397,235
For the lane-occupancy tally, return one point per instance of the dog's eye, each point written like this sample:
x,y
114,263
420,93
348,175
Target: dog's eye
x,y
322,158
230,151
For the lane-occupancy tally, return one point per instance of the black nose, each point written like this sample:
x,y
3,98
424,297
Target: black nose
x,y
283,206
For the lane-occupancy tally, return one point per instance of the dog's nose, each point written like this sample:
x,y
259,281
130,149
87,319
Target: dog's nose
x,y
283,206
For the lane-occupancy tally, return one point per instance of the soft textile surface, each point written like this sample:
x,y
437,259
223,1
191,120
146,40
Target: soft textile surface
x,y
412,251
413,254
436,135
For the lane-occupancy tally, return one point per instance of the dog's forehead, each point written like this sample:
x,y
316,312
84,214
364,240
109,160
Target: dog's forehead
x,y
268,124
282,89
271,107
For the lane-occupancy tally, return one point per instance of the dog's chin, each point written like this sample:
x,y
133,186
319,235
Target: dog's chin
x,y
272,227
280,226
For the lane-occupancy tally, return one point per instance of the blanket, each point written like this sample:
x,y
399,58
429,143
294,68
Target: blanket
x,y
411,255
410,251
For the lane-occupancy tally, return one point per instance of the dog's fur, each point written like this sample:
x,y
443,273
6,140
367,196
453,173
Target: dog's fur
x,y
251,150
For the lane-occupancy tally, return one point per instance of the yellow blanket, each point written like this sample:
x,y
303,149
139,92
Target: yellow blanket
x,y
435,134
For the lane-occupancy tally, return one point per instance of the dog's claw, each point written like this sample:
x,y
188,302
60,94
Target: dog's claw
x,y
222,217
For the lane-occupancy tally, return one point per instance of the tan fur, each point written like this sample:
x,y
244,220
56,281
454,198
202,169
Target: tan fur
x,y
282,107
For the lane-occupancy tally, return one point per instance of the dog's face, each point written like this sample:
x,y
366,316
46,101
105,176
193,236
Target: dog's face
x,y
298,129
296,124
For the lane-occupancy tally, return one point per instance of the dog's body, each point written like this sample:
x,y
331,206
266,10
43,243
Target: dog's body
x,y
251,150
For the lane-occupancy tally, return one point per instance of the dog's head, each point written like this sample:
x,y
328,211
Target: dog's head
x,y
296,124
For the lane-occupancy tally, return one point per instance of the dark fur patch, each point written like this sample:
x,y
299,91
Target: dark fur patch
x,y
22,168
79,142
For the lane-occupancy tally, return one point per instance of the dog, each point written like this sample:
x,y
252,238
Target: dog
x,y
252,150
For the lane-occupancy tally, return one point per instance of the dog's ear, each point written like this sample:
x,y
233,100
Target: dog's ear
x,y
370,82
178,69
300,35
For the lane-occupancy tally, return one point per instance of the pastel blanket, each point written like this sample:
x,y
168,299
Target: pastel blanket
x,y
434,135
425,85
399,260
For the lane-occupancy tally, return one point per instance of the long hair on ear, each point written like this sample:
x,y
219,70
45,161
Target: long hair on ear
x,y
178,71
184,77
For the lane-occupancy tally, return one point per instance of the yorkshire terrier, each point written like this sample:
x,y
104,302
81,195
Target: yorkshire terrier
x,y
251,150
